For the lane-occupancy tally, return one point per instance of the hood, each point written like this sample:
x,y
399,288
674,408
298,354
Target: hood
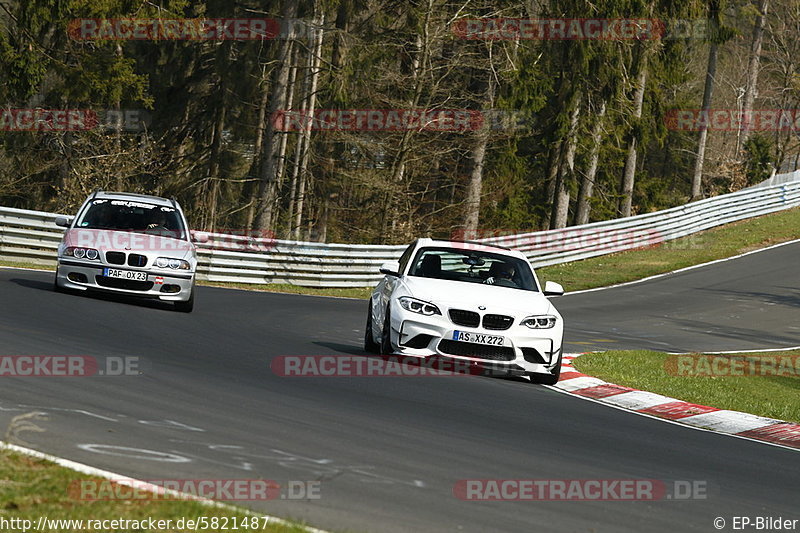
x,y
107,240
465,295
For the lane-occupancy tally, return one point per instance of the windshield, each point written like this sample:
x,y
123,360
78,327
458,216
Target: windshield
x,y
472,266
133,216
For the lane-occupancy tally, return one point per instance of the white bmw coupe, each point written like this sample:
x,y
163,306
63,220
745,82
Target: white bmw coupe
x,y
472,302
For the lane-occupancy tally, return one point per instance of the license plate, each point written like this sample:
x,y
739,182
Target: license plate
x,y
125,274
477,338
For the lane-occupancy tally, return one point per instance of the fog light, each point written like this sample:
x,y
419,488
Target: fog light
x,y
77,277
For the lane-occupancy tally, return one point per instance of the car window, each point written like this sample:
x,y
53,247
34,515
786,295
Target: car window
x,y
406,257
473,266
133,216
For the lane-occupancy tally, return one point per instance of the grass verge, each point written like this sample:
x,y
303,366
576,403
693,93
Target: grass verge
x,y
763,394
716,243
31,488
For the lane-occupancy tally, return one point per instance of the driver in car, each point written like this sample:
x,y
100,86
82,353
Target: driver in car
x,y
159,221
502,274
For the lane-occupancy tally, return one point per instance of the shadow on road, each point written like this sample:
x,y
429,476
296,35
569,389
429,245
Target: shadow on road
x,y
47,286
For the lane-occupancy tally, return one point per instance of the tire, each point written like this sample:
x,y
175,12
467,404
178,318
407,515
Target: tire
x,y
386,342
56,286
369,342
187,306
549,379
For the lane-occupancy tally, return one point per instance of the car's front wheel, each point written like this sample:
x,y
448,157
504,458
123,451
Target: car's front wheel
x,y
56,286
386,335
548,379
369,342
188,305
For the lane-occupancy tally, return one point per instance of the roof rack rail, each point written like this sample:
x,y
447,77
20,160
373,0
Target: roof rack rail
x,y
94,194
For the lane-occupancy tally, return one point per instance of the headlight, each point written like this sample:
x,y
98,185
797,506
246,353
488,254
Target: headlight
x,y
540,322
175,264
418,306
82,253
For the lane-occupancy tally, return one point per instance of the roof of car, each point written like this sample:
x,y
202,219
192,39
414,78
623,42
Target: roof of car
x,y
487,247
134,196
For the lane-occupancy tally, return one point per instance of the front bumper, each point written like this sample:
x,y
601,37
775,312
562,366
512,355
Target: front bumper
x,y
166,285
524,351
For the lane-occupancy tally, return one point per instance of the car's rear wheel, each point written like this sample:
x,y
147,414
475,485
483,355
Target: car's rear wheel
x,y
369,342
188,305
386,340
549,379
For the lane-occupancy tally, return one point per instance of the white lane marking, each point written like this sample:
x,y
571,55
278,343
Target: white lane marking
x,y
637,399
728,421
171,424
582,382
665,420
134,453
155,489
29,269
323,468
684,269
63,409
739,351
243,465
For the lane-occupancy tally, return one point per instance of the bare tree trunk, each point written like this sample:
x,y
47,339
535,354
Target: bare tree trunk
x,y
298,152
586,190
289,104
566,171
213,167
315,59
272,158
629,174
473,200
322,233
419,62
697,177
250,189
118,133
553,157
751,89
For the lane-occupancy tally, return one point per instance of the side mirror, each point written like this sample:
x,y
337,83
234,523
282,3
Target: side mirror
x,y
200,236
392,268
64,222
552,288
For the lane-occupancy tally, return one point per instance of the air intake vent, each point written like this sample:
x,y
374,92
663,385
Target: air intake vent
x,y
498,322
115,258
137,260
479,351
469,319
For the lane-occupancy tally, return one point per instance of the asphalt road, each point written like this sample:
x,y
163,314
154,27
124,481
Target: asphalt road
x,y
388,451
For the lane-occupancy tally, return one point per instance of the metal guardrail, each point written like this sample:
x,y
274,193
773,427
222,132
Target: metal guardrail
x,y
32,236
